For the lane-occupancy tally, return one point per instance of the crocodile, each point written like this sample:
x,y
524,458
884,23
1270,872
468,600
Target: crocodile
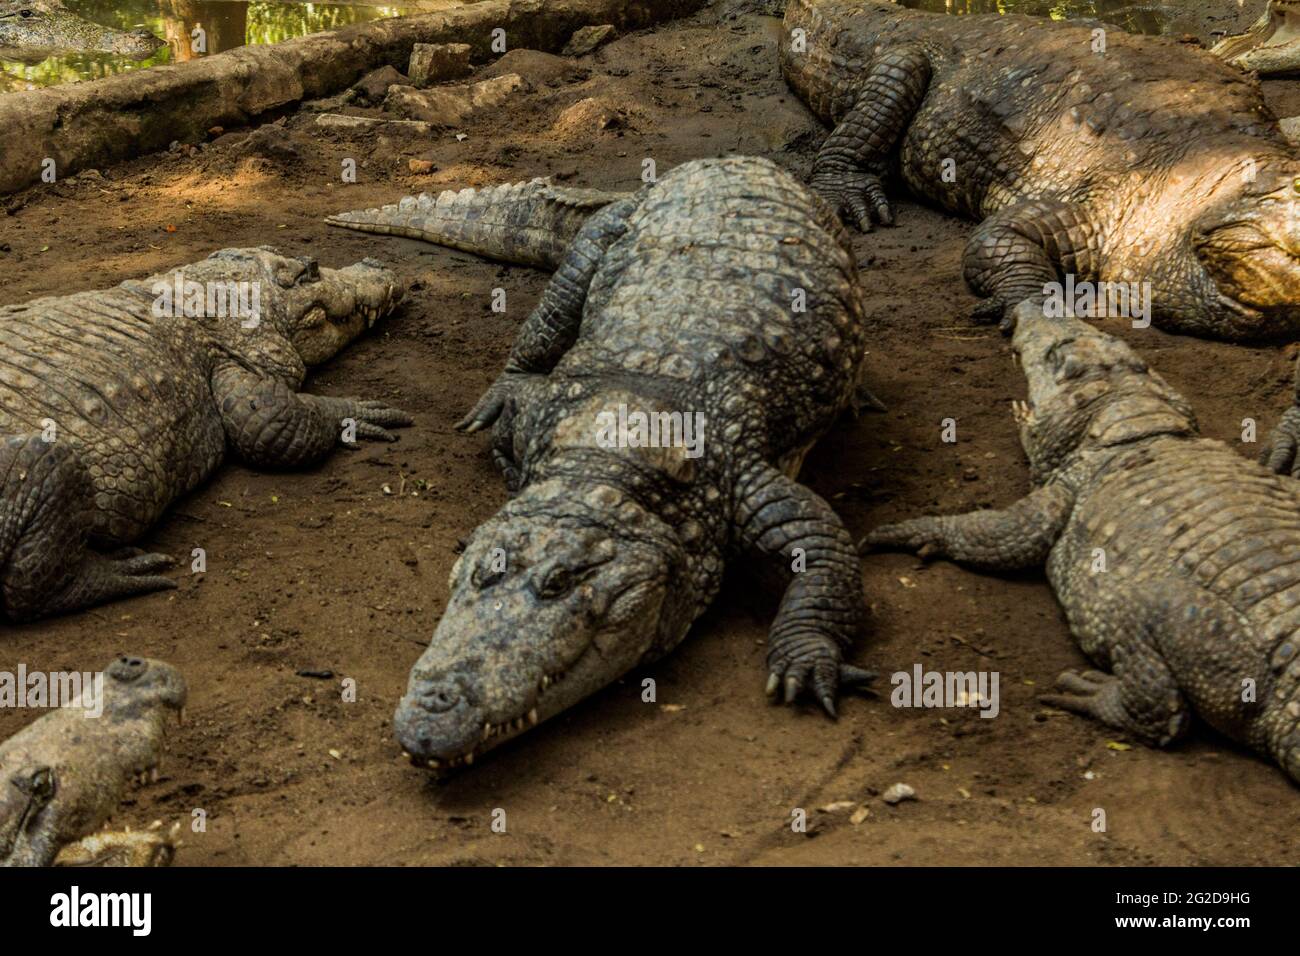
x,y
1271,44
723,305
66,773
32,30
1173,557
1102,155
115,403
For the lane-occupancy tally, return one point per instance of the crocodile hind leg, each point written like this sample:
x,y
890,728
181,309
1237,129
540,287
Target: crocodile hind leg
x,y
47,511
821,611
854,158
1016,251
1140,698
1010,539
552,327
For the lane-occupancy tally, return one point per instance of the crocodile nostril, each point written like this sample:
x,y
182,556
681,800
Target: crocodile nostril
x,y
438,698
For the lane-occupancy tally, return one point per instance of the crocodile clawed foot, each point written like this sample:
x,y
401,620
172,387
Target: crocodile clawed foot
x,y
811,664
1279,453
858,197
1090,694
374,418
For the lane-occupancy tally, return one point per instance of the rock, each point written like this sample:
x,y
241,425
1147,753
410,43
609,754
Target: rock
x,y
587,39
536,67
421,166
373,87
269,142
436,62
898,793
488,93
587,116
339,121
329,105
1291,129
451,105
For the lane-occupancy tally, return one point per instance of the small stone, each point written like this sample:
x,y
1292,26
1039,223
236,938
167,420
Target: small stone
x,y
839,806
421,166
374,85
860,814
587,39
898,793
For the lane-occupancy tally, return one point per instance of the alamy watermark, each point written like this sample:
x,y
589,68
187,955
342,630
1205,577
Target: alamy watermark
x,y
23,688
1098,300
657,429
922,688
181,298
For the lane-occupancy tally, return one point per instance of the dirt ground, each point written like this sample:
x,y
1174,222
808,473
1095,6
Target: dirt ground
x,y
325,570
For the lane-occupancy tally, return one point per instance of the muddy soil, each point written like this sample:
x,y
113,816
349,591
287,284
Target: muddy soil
x,y
328,570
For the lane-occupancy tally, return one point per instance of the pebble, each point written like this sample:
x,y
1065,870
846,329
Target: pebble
x,y
898,793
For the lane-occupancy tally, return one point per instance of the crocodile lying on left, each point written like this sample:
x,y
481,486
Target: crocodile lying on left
x,y
64,774
36,29
724,300
115,403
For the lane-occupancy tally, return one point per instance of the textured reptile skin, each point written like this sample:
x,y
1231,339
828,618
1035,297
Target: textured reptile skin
x,y
64,774
1174,558
681,299
1145,161
109,413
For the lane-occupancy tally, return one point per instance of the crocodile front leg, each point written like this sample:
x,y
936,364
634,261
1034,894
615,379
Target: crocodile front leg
x,y
552,327
849,167
47,511
1017,537
821,611
272,426
1016,251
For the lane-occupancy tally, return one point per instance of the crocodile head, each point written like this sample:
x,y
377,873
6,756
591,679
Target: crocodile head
x,y
1248,242
1271,45
1086,389
558,595
135,685
45,27
320,311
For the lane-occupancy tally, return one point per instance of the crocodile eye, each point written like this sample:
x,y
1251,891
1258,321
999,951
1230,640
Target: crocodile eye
x,y
1295,184
25,14
557,583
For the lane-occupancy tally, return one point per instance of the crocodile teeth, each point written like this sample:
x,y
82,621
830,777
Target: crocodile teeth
x,y
487,731
469,758
532,717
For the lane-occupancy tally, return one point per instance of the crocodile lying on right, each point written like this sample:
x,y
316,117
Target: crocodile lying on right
x,y
114,403
1175,559
722,304
1143,160
31,30
64,774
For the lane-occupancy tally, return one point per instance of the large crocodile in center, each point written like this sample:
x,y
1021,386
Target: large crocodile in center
x,y
723,300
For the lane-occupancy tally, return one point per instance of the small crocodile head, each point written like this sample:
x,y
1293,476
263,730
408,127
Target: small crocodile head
x,y
1086,389
49,27
135,685
1248,242
554,598
320,311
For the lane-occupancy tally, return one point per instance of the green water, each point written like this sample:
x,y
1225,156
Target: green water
x,y
226,24
1122,13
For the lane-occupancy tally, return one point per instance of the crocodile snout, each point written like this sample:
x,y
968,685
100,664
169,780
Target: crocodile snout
x,y
438,697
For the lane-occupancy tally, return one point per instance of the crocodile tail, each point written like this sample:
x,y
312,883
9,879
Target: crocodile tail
x,y
528,223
